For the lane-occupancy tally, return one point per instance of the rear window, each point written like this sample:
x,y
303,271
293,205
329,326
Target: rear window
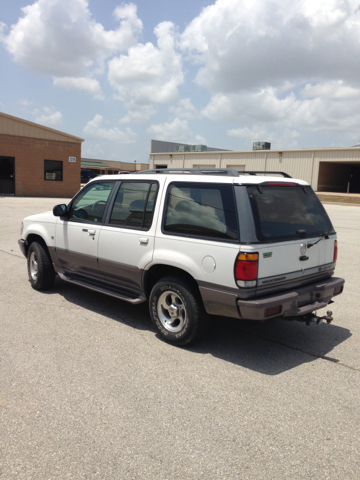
x,y
287,212
201,210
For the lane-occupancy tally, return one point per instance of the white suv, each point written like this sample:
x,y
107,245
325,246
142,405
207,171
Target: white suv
x,y
190,242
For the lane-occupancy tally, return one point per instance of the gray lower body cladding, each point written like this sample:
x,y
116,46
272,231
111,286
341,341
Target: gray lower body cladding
x,y
294,303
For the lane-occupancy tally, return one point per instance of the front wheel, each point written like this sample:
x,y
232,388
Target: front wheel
x,y
40,270
175,311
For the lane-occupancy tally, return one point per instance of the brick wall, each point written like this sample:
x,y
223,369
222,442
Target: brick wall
x,y
30,154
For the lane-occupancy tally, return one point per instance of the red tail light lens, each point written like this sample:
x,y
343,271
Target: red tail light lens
x,y
335,250
246,269
273,311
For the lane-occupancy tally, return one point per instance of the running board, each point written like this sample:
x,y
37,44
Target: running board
x,y
134,301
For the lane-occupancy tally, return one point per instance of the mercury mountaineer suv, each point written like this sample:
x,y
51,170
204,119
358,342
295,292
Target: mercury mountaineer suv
x,y
192,242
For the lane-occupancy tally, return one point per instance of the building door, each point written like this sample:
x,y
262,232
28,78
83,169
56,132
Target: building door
x,y
7,175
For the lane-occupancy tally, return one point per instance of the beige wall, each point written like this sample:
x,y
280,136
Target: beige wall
x,y
302,163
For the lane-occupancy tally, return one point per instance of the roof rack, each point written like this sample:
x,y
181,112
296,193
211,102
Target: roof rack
x,y
231,172
286,175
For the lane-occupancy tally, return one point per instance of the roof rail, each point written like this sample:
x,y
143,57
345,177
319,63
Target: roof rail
x,y
231,172
247,172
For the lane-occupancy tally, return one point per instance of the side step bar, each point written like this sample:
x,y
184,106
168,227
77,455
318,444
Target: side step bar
x,y
120,296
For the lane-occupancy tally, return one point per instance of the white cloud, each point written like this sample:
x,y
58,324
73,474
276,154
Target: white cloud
x,y
2,29
184,109
278,137
138,114
267,115
332,90
94,128
84,84
60,38
250,45
148,74
175,131
24,102
48,116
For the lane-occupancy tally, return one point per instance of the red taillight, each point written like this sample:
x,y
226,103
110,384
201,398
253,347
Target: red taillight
x,y
335,250
273,311
246,269
338,290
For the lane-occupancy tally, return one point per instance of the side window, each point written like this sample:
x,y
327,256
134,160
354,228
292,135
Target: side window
x,y
134,205
90,204
201,210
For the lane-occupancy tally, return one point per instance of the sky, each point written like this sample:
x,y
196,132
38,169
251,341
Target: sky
x,y
223,74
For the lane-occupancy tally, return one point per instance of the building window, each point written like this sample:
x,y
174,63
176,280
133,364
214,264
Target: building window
x,y
53,170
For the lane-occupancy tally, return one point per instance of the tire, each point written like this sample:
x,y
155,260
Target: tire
x,y
176,313
40,269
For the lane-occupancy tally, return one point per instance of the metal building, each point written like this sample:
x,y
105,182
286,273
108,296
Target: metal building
x,y
325,169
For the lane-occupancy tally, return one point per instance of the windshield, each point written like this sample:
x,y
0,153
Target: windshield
x,y
287,212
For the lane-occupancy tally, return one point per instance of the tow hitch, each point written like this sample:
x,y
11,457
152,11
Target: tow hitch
x,y
313,318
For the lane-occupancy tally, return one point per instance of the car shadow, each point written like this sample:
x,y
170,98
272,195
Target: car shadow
x,y
269,348
272,347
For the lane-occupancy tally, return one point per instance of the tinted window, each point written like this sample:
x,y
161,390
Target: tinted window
x,y
282,212
201,210
90,204
53,170
134,205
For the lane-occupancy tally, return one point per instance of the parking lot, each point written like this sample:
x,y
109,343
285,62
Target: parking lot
x,y
88,391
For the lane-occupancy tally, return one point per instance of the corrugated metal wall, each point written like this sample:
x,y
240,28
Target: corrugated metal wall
x,y
303,164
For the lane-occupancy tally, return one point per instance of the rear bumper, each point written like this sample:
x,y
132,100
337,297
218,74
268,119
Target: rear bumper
x,y
295,303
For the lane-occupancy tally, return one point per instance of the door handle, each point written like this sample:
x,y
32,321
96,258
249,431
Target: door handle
x,y
144,240
92,232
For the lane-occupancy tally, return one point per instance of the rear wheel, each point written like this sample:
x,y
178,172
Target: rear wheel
x,y
176,311
40,270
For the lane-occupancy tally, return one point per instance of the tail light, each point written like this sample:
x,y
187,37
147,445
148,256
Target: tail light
x,y
335,250
246,269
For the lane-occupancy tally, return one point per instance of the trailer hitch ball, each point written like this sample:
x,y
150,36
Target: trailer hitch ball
x,y
328,318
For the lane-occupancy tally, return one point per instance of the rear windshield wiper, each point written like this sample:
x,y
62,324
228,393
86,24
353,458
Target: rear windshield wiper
x,y
323,235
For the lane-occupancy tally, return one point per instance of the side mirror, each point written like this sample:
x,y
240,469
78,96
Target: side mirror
x,y
60,210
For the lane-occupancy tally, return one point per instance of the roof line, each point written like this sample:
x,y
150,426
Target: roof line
x,y
279,150
37,125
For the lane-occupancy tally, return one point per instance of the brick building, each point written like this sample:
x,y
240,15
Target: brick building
x,y
37,161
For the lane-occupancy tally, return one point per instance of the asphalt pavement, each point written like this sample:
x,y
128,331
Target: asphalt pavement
x,y
88,391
